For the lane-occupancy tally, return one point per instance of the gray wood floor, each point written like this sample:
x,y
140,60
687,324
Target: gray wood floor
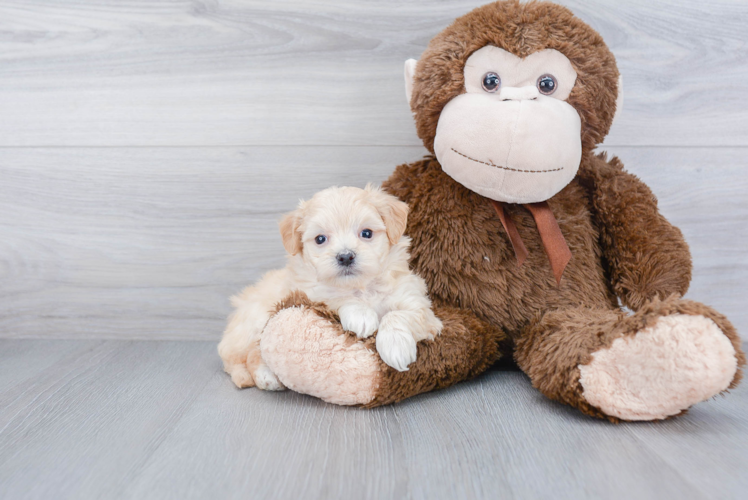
x,y
159,419
147,150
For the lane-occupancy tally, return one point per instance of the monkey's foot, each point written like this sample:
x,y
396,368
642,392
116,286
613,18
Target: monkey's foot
x,y
662,370
307,348
311,354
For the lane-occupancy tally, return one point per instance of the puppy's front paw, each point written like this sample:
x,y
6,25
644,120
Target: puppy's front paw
x,y
359,319
266,379
396,346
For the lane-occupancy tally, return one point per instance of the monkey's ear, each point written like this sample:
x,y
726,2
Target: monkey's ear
x,y
619,98
410,73
394,212
289,229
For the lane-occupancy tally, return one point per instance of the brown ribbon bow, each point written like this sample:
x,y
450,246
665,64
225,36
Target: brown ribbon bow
x,y
550,234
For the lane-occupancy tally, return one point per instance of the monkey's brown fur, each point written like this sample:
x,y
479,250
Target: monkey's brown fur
x,y
622,247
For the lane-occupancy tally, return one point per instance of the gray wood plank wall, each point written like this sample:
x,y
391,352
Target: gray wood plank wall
x,y
147,149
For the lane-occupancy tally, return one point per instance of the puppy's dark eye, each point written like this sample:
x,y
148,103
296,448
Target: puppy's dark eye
x,y
367,233
320,239
491,82
547,84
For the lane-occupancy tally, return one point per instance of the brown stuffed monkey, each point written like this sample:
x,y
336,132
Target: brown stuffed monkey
x,y
528,241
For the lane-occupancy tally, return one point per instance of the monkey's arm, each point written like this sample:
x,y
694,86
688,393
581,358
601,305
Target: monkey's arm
x,y
646,256
403,182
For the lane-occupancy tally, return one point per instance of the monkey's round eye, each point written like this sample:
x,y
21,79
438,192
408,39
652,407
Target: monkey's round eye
x,y
547,84
491,82
367,233
320,239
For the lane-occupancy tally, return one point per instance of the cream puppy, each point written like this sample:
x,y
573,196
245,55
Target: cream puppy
x,y
346,249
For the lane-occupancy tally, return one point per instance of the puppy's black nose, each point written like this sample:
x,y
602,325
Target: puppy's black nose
x,y
345,258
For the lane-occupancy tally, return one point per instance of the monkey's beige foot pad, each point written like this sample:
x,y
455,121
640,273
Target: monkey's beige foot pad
x,y
312,355
660,371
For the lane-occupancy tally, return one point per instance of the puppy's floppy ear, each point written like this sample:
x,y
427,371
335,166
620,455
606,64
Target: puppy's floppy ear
x,y
289,229
394,212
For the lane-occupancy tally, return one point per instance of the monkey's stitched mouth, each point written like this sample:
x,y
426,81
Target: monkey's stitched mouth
x,y
492,164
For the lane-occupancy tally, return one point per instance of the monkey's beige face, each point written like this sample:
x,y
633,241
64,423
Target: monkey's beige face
x,y
512,136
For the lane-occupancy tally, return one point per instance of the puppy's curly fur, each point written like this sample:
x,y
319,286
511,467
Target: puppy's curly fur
x,y
347,250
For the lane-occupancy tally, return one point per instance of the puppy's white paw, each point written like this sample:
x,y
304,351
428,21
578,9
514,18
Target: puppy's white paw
x,y
359,319
396,347
266,379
